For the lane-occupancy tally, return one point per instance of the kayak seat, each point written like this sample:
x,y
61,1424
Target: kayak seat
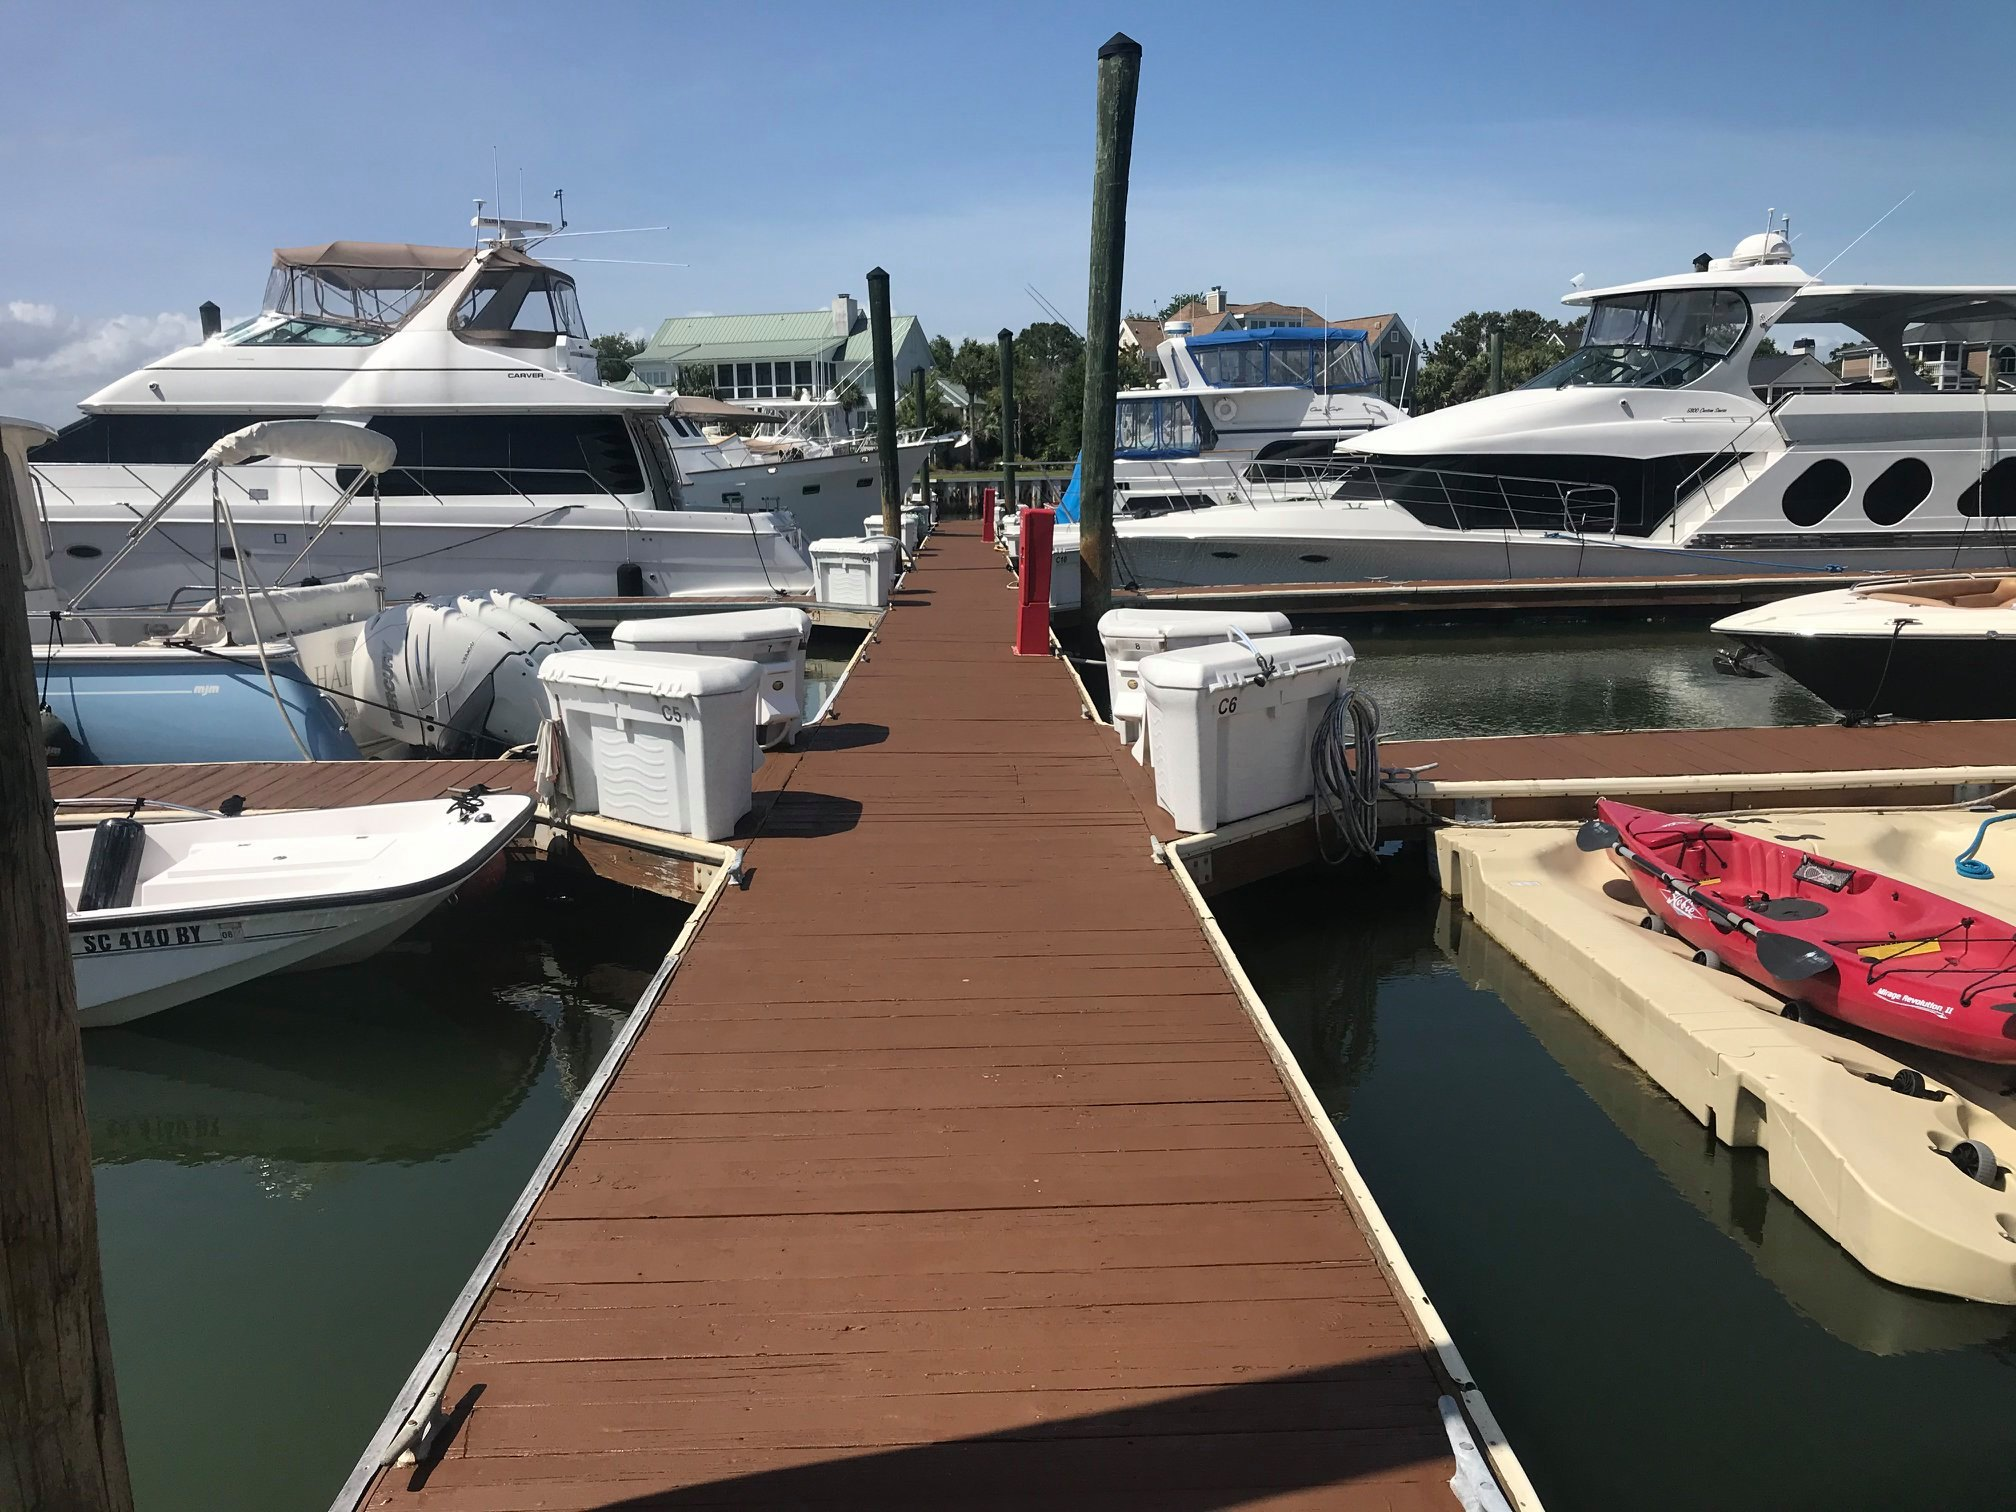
x,y
112,870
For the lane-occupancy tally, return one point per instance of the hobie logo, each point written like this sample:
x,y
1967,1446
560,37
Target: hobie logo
x,y
1683,905
1943,1010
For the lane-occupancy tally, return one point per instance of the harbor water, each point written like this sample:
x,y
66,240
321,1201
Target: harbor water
x,y
295,1179
1654,1326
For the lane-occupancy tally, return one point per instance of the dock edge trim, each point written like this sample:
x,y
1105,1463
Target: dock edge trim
x,y
370,1465
1505,1465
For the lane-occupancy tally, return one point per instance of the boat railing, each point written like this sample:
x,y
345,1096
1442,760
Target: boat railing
x,y
1730,454
1460,500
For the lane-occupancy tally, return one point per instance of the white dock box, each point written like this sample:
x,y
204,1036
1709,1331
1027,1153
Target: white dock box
x,y
657,738
1130,634
775,639
916,525
848,571
1226,746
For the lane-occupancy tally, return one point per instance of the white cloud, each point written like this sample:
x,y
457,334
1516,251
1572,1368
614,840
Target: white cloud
x,y
49,360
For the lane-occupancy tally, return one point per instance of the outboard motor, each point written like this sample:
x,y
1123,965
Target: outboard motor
x,y
455,676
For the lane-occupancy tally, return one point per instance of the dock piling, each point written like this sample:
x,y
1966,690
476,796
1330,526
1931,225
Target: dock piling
x,y
59,1414
885,403
920,389
1005,340
1119,81
1494,350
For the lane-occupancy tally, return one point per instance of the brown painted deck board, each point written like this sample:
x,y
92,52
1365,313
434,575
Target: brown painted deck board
x,y
949,1170
289,784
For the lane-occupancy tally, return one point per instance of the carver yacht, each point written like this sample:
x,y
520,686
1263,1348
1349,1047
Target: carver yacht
x,y
515,471
1267,407
1646,452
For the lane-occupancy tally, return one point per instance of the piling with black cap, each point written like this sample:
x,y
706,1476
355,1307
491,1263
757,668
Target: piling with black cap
x,y
885,403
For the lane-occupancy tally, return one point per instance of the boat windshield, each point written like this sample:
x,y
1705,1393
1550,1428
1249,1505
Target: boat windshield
x,y
1663,340
1161,426
1283,359
319,300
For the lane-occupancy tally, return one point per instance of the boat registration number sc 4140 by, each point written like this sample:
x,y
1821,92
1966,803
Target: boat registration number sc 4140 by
x,y
155,937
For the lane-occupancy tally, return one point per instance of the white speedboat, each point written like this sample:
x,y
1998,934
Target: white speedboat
x,y
1646,452
322,671
1914,647
515,471
164,913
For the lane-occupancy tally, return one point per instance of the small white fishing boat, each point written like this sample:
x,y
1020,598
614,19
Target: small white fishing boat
x,y
164,913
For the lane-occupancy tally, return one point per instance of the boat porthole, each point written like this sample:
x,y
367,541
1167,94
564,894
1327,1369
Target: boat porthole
x,y
1315,556
1901,488
1817,492
863,482
229,553
1998,484
1226,556
82,553
809,488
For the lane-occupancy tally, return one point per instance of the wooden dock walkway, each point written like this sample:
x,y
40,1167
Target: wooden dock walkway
x,y
948,1170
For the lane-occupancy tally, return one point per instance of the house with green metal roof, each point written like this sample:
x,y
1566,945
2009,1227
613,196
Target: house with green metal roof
x,y
797,355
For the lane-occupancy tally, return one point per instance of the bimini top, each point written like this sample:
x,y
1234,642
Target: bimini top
x,y
405,256
1267,335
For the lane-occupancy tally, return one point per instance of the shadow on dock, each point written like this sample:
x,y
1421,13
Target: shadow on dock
x,y
1199,1451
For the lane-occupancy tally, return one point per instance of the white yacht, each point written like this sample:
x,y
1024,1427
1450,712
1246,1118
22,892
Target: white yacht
x,y
515,471
1264,407
1646,452
827,480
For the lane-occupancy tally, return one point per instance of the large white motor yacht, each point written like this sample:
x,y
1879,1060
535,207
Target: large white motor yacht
x,y
515,469
1265,408
1646,452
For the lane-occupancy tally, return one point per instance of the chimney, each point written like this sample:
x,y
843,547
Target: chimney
x,y
845,313
210,318
1805,344
1214,302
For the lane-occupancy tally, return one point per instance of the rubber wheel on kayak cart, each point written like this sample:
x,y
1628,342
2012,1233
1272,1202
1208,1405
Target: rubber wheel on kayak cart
x,y
1793,1011
1975,1159
1654,923
1909,1082
1709,959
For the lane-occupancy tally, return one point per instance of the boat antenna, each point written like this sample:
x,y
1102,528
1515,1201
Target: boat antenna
x,y
1051,310
560,209
1872,226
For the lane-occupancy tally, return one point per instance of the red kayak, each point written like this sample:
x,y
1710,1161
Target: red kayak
x,y
1852,943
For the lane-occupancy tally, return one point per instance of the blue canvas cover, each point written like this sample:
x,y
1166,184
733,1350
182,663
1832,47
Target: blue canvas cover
x,y
1067,507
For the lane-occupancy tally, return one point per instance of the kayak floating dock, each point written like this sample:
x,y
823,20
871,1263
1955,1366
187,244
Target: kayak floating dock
x,y
1870,1164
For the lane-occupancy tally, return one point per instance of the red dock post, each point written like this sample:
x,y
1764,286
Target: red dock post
x,y
1032,610
987,513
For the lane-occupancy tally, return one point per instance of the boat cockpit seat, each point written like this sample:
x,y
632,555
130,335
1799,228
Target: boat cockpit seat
x,y
112,870
2003,593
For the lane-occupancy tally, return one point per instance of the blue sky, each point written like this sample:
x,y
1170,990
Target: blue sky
x,y
1429,158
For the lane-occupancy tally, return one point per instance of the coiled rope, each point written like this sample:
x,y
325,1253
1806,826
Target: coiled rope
x,y
1345,770
1965,864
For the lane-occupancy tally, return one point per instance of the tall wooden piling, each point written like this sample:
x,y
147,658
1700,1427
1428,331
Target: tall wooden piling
x,y
1005,341
885,403
1119,81
1494,349
60,1440
920,392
